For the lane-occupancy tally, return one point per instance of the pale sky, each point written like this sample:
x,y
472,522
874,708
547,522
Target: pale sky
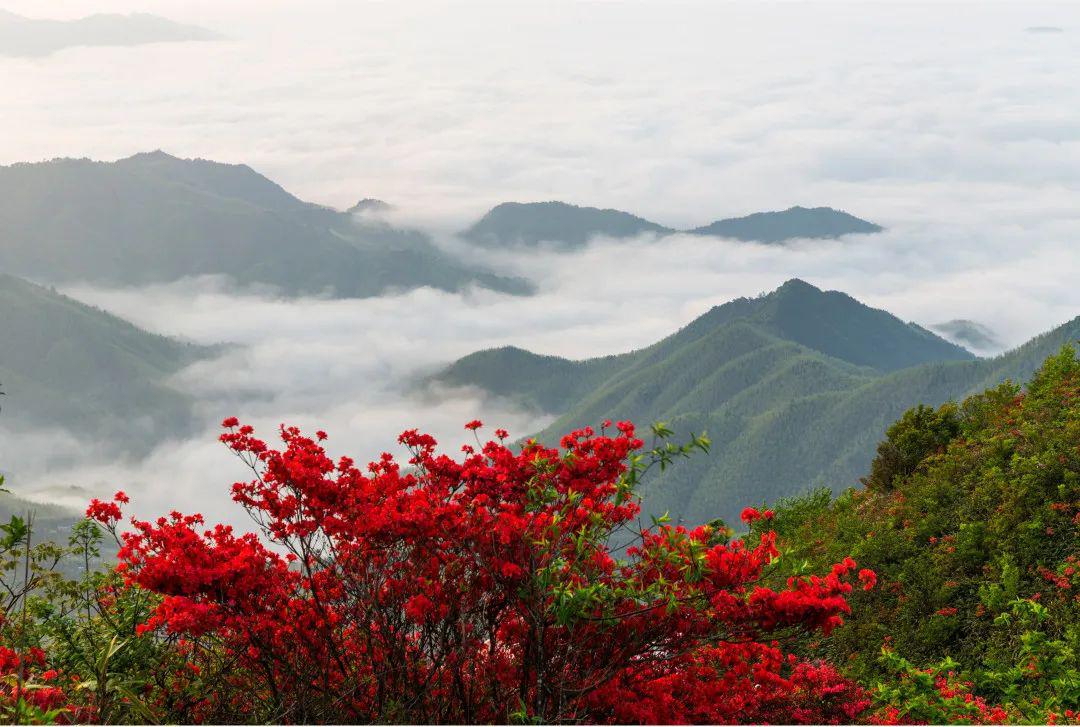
x,y
683,112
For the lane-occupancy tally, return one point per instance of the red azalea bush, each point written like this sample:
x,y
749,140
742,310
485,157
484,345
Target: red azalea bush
x,y
504,586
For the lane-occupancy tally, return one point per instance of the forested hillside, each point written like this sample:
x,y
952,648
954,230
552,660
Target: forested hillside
x,y
794,388
970,519
156,218
68,365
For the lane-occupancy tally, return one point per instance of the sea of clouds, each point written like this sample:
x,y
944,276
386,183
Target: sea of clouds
x,y
952,125
355,367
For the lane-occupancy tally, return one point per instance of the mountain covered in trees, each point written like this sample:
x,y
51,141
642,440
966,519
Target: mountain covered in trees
x,y
22,36
155,218
66,365
569,226
793,388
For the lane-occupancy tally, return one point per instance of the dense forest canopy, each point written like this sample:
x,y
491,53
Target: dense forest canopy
x,y
794,388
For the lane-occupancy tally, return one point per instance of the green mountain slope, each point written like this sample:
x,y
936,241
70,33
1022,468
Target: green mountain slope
x,y
828,440
795,388
795,222
155,218
67,365
966,508
836,324
515,223
830,323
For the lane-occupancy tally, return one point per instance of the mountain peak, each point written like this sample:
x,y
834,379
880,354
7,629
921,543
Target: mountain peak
x,y
530,223
232,181
572,226
160,160
792,223
153,217
970,334
157,155
370,205
840,326
797,285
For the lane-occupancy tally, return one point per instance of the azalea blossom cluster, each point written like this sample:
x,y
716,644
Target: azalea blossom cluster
x,y
510,583
29,690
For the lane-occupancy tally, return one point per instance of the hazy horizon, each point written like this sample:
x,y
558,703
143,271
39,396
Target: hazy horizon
x,y
681,112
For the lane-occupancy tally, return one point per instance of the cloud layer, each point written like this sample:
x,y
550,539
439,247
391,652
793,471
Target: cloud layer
x,y
949,124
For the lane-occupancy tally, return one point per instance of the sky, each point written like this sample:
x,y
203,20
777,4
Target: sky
x,y
681,112
952,125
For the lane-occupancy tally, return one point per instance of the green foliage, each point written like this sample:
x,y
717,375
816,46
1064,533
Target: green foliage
x,y
87,623
1044,673
1038,682
933,695
51,524
972,523
98,640
919,432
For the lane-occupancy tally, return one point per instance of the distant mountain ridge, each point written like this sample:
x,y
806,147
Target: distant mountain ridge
x,y
558,222
22,36
795,222
571,226
370,205
795,388
153,217
973,335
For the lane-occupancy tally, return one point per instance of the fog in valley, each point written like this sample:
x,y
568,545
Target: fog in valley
x,y
943,132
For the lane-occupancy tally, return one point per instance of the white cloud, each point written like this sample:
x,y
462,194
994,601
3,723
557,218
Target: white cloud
x,y
947,123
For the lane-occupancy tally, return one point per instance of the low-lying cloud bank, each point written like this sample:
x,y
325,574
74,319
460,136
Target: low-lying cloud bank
x,y
351,366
